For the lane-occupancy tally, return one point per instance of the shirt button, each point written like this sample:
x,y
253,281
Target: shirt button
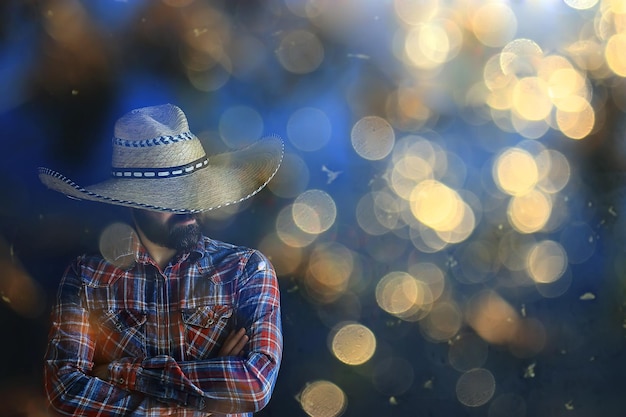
x,y
121,380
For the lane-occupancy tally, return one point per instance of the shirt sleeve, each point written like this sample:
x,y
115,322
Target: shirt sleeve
x,y
69,359
226,384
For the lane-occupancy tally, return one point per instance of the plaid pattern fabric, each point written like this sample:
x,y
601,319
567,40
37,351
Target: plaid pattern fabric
x,y
160,333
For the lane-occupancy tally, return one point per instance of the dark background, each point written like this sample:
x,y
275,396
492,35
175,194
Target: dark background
x,y
63,84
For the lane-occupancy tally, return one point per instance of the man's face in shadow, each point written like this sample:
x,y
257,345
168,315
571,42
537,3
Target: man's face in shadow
x,y
175,231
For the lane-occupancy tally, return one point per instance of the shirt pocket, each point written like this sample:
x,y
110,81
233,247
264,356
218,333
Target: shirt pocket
x,y
205,329
120,334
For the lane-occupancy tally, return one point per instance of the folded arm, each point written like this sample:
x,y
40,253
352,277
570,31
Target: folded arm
x,y
227,384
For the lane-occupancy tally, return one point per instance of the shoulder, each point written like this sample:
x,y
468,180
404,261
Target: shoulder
x,y
93,269
221,253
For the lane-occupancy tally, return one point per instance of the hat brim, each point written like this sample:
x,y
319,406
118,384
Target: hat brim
x,y
229,178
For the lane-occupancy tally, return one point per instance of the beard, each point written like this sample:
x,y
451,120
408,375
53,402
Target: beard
x,y
171,234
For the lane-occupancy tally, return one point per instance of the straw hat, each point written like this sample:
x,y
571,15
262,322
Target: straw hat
x,y
158,164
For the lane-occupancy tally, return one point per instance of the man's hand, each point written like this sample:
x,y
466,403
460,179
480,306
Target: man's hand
x,y
234,343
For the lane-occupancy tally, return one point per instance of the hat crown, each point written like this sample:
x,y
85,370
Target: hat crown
x,y
155,140
151,123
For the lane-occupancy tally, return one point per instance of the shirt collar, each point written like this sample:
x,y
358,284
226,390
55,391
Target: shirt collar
x,y
142,256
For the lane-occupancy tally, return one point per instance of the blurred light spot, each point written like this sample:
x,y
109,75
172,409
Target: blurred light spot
x,y
314,211
407,172
520,57
579,241
323,399
530,129
614,53
495,78
309,129
393,376
492,317
367,215
507,405
240,126
530,212
494,24
285,259
442,322
581,4
328,273
430,275
556,288
531,99
300,52
467,351
431,44
463,229
372,137
564,84
289,232
587,54
353,344
400,294
292,178
442,209
578,122
427,240
554,171
415,12
386,209
117,244
547,261
515,171
475,387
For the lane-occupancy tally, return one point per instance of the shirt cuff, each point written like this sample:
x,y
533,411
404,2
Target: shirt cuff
x,y
161,378
124,372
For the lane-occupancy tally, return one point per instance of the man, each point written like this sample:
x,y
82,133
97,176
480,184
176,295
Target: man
x,y
184,325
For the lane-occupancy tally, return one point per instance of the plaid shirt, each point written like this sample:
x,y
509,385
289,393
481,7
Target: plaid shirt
x,y
160,331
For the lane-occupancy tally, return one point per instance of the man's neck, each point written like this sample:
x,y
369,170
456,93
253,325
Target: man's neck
x,y
160,254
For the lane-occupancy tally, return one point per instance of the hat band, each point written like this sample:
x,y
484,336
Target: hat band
x,y
162,172
161,140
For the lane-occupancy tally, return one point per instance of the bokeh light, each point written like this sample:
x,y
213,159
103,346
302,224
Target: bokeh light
x,y
314,211
353,343
373,137
475,387
323,399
